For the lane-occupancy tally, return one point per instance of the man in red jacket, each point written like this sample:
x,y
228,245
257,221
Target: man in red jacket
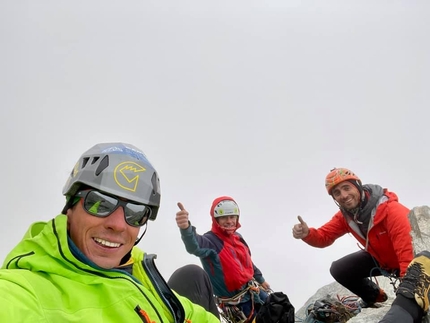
x,y
374,216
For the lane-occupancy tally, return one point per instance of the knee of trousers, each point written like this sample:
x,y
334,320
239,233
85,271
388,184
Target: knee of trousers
x,y
337,272
192,271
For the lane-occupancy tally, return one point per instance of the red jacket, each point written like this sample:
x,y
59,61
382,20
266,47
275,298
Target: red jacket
x,y
388,239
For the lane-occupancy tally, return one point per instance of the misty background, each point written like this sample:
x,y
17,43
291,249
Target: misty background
x,y
253,99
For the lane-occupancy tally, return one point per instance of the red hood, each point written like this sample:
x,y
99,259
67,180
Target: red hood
x,y
215,226
391,195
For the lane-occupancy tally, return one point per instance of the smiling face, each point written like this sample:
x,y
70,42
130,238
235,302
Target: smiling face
x,y
228,222
105,241
346,195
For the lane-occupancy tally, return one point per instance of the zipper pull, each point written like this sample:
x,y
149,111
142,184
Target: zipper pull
x,y
142,314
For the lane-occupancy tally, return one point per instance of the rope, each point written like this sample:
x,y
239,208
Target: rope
x,y
340,310
394,279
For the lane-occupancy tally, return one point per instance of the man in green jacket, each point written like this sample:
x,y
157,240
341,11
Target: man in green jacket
x,y
83,266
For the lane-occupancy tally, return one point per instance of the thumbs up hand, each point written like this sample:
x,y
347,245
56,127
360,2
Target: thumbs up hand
x,y
182,217
300,230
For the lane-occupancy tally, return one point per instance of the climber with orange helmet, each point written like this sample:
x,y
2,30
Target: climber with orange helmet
x,y
226,257
374,216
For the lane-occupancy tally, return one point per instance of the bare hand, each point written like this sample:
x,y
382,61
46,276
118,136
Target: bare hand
x,y
182,217
300,230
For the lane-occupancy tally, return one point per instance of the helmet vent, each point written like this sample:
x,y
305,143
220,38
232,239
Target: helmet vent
x,y
104,163
95,159
85,161
154,181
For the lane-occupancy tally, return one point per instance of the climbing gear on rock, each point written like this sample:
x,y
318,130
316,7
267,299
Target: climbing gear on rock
x,y
328,310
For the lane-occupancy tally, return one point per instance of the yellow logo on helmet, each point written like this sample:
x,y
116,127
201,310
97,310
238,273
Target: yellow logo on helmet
x,y
75,169
126,175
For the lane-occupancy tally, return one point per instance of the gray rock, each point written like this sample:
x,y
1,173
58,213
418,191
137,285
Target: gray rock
x,y
419,219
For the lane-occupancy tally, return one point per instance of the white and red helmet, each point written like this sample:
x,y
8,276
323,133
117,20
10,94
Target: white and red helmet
x,y
224,206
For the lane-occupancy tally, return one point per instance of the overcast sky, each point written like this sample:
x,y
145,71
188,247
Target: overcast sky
x,y
253,99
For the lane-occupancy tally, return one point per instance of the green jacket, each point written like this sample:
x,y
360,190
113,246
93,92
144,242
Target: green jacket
x,y
41,281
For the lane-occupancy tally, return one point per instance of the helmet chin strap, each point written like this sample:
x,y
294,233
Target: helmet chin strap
x,y
141,236
128,255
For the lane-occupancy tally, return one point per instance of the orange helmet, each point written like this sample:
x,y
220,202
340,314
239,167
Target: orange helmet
x,y
339,175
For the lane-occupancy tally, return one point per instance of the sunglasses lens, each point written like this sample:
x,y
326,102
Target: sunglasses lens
x,y
99,204
136,215
102,205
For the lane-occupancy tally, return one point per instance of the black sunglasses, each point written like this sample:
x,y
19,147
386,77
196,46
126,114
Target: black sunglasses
x,y
102,205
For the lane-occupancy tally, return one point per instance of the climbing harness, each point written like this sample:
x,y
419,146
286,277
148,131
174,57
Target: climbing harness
x,y
230,309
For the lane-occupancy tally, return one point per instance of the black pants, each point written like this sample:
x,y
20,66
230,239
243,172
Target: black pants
x,y
353,272
192,282
396,314
403,310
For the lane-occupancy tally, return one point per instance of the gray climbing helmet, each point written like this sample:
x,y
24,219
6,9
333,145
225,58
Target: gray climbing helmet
x,y
119,169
